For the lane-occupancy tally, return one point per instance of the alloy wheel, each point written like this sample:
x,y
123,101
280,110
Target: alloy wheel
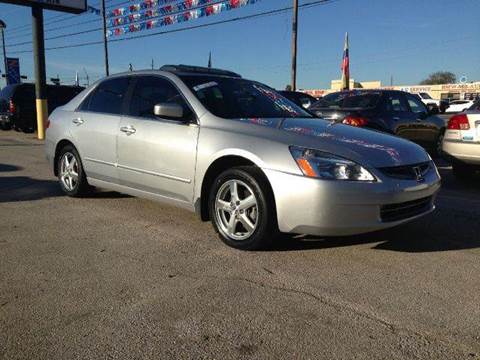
x,y
236,210
69,171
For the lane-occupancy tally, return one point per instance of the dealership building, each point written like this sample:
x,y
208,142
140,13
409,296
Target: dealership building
x,y
461,91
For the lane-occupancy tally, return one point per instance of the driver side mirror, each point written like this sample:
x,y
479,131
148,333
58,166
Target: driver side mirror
x,y
169,111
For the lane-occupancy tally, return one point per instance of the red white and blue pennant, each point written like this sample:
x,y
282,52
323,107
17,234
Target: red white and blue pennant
x,y
152,14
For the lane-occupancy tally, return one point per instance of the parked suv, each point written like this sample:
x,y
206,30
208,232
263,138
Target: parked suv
x,y
238,153
394,112
18,107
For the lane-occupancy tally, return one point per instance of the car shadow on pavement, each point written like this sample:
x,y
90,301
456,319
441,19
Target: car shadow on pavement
x,y
24,188
9,168
415,237
105,194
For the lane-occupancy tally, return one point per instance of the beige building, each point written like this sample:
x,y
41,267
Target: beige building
x,y
445,91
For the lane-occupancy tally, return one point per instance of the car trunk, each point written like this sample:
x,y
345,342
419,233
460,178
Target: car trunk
x,y
339,114
474,121
472,134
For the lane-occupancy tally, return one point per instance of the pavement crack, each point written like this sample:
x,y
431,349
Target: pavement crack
x,y
390,326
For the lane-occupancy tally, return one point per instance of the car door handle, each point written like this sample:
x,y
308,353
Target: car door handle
x,y
78,121
129,130
396,118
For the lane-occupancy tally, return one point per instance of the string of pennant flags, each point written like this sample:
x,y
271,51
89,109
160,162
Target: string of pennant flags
x,y
155,16
151,12
146,4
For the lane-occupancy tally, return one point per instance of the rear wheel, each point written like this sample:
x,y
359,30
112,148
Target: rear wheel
x,y
241,209
439,144
70,172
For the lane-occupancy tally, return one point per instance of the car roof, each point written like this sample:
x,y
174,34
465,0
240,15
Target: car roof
x,y
182,70
373,91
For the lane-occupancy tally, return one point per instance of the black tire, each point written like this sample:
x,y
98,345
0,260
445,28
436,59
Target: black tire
x,y
438,144
265,215
28,130
81,186
4,126
462,171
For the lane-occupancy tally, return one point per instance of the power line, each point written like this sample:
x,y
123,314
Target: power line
x,y
56,19
239,18
96,29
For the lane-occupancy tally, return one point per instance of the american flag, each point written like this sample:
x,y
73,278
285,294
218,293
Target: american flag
x,y
346,66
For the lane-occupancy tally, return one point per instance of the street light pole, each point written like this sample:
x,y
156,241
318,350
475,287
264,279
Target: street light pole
x,y
105,44
3,26
294,45
39,66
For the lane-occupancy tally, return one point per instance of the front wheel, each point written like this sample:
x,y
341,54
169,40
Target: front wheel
x,y
242,209
70,172
5,126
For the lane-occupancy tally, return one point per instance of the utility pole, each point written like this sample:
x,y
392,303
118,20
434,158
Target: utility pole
x,y
105,44
294,45
3,26
86,76
39,65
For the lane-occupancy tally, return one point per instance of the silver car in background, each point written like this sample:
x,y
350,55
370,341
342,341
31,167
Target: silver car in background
x,y
237,153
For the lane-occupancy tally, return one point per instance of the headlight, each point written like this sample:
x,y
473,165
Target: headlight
x,y
318,164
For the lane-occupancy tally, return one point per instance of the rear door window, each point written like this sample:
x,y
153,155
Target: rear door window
x,y
416,105
395,103
107,97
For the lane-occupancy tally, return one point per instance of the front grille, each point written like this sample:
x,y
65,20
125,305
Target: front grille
x,y
405,210
407,172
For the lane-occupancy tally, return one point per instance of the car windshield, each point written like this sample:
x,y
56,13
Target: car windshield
x,y
425,96
345,100
235,98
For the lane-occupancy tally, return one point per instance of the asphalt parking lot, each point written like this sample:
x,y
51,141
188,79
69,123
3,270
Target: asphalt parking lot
x,y
112,276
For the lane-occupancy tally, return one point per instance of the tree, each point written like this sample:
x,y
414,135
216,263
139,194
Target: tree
x,y
288,88
440,77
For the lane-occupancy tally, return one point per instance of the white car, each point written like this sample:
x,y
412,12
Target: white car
x,y
427,99
459,106
462,143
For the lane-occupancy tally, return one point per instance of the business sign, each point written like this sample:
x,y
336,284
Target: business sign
x,y
71,6
13,71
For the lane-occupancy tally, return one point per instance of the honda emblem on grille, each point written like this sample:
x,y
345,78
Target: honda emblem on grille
x,y
418,173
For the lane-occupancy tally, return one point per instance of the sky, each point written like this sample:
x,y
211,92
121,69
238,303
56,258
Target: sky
x,y
405,40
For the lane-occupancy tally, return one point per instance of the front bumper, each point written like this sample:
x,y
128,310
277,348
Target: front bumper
x,y
468,152
335,208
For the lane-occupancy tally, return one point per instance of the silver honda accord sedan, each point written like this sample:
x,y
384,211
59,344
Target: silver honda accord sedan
x,y
237,153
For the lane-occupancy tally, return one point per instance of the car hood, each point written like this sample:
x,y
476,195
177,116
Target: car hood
x,y
365,146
